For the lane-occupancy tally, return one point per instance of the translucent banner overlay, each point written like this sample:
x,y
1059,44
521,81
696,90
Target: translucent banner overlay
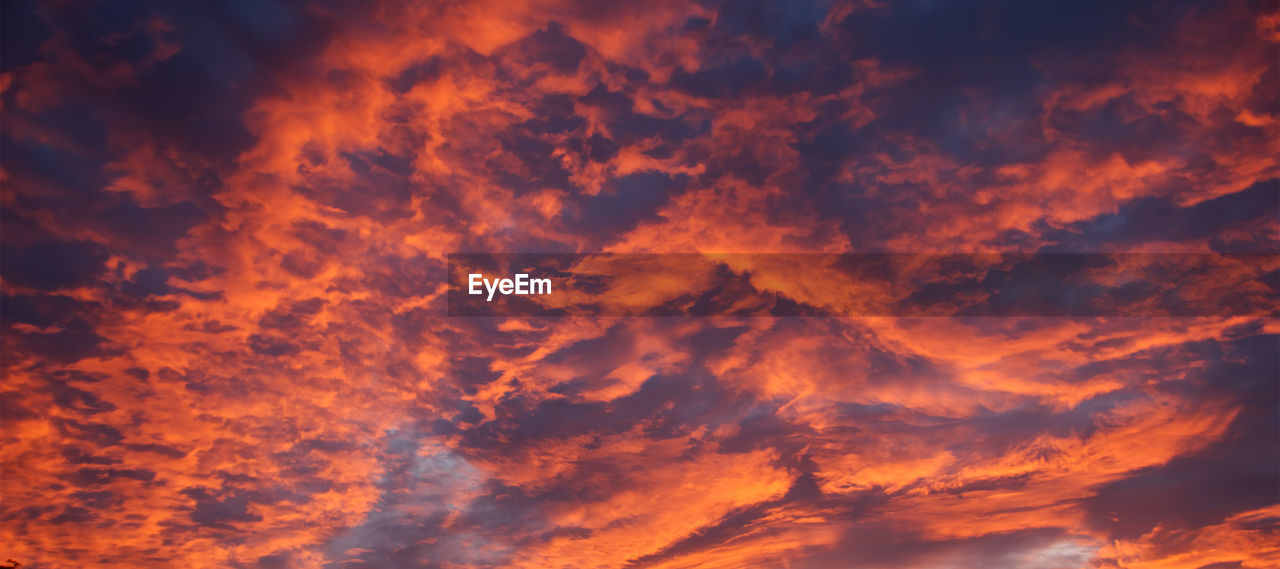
x,y
853,285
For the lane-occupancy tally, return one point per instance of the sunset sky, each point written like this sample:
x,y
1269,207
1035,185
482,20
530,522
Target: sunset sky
x,y
227,342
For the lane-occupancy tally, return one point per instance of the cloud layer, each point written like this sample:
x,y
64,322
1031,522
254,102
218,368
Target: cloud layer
x,y
225,231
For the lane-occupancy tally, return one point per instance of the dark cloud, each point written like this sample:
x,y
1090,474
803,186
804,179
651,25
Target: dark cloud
x,y
1239,472
103,476
1155,219
52,265
219,509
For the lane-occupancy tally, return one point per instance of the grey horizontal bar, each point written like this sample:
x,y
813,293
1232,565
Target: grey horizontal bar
x,y
848,285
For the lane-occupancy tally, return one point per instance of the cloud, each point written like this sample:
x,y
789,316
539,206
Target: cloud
x,y
226,339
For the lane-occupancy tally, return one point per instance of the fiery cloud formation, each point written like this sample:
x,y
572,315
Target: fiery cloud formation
x,y
225,232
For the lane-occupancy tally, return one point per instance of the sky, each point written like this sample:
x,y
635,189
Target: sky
x,y
226,228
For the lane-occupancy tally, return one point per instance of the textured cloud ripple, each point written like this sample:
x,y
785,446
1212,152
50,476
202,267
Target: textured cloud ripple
x,y
225,239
